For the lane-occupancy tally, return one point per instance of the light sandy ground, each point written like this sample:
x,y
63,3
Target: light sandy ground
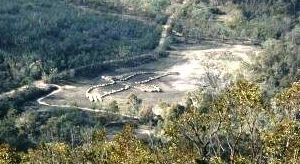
x,y
193,64
227,60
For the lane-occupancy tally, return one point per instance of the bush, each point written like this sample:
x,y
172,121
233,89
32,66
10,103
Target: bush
x,y
113,106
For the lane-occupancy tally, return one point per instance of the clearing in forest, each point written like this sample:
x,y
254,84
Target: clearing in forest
x,y
190,67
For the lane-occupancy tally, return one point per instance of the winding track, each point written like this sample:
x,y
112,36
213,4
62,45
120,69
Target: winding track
x,y
41,101
40,84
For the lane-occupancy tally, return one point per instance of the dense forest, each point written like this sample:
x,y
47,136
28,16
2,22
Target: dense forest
x,y
41,38
253,121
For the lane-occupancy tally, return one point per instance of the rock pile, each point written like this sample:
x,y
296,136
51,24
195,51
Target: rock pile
x,y
149,88
94,97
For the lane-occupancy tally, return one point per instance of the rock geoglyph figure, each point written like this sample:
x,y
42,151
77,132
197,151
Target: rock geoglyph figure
x,y
141,85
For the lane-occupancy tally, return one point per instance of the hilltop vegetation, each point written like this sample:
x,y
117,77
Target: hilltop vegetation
x,y
45,37
237,125
147,8
225,19
245,122
274,24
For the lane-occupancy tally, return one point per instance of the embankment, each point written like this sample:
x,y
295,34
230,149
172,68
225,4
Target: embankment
x,y
18,97
90,70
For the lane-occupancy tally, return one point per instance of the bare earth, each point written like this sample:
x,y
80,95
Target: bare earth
x,y
193,63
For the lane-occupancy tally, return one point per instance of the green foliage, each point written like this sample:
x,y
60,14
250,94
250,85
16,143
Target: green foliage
x,y
235,126
150,8
282,142
259,20
134,103
127,149
113,106
196,22
72,127
146,114
8,155
176,152
266,8
264,27
238,125
42,38
97,152
48,153
28,129
279,63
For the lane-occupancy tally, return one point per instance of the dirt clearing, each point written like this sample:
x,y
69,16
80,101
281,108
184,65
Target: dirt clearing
x,y
193,66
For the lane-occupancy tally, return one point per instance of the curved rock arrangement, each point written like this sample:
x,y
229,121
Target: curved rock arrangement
x,y
155,78
94,97
59,89
163,39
